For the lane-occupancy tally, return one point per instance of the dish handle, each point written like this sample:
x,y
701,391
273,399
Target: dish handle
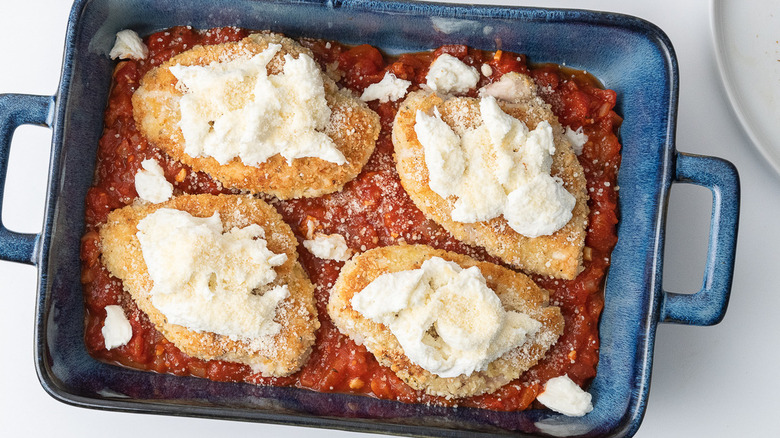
x,y
708,306
17,110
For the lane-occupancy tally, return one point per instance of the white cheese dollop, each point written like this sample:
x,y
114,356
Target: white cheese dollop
x,y
511,87
577,138
116,330
498,168
150,182
562,395
128,45
444,156
329,247
209,280
234,109
390,88
448,74
446,318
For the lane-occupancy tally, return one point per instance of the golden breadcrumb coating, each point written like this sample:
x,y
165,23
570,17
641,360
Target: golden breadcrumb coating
x,y
278,355
353,127
516,292
557,255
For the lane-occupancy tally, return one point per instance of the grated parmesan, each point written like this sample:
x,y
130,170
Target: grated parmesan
x,y
498,168
234,109
446,318
209,280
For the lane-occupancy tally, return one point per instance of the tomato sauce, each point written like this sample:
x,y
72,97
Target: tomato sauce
x,y
386,216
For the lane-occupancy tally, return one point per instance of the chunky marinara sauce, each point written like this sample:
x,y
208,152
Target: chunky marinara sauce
x,y
371,211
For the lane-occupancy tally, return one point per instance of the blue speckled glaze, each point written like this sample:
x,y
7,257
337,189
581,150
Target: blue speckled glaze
x,y
627,54
17,110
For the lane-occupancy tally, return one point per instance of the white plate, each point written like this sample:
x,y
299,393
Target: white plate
x,y
747,47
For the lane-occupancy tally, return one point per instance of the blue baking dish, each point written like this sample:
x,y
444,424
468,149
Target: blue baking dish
x,y
629,55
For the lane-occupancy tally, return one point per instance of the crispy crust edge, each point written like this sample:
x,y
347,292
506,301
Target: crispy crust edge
x,y
558,255
353,126
281,355
515,290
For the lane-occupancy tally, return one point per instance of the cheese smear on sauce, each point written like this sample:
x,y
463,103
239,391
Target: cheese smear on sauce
x,y
500,168
577,139
128,45
116,330
208,279
329,247
234,109
390,88
150,182
446,318
448,74
562,395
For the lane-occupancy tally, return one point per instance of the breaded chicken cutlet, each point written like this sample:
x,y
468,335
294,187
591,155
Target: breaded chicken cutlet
x,y
557,255
273,355
353,127
515,291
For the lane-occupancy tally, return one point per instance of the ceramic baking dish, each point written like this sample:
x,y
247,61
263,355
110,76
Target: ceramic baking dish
x,y
627,54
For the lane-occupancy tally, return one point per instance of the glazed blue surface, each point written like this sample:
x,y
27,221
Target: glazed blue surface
x,y
628,55
17,110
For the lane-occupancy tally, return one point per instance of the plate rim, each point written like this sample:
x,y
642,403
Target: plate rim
x,y
726,73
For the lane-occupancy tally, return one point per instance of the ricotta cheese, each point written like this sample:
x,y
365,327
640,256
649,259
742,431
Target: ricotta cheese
x,y
234,109
511,87
128,45
329,247
150,182
209,280
446,318
499,168
448,74
116,330
444,156
577,138
562,395
390,88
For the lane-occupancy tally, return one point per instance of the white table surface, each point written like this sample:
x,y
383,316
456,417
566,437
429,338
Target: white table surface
x,y
715,381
